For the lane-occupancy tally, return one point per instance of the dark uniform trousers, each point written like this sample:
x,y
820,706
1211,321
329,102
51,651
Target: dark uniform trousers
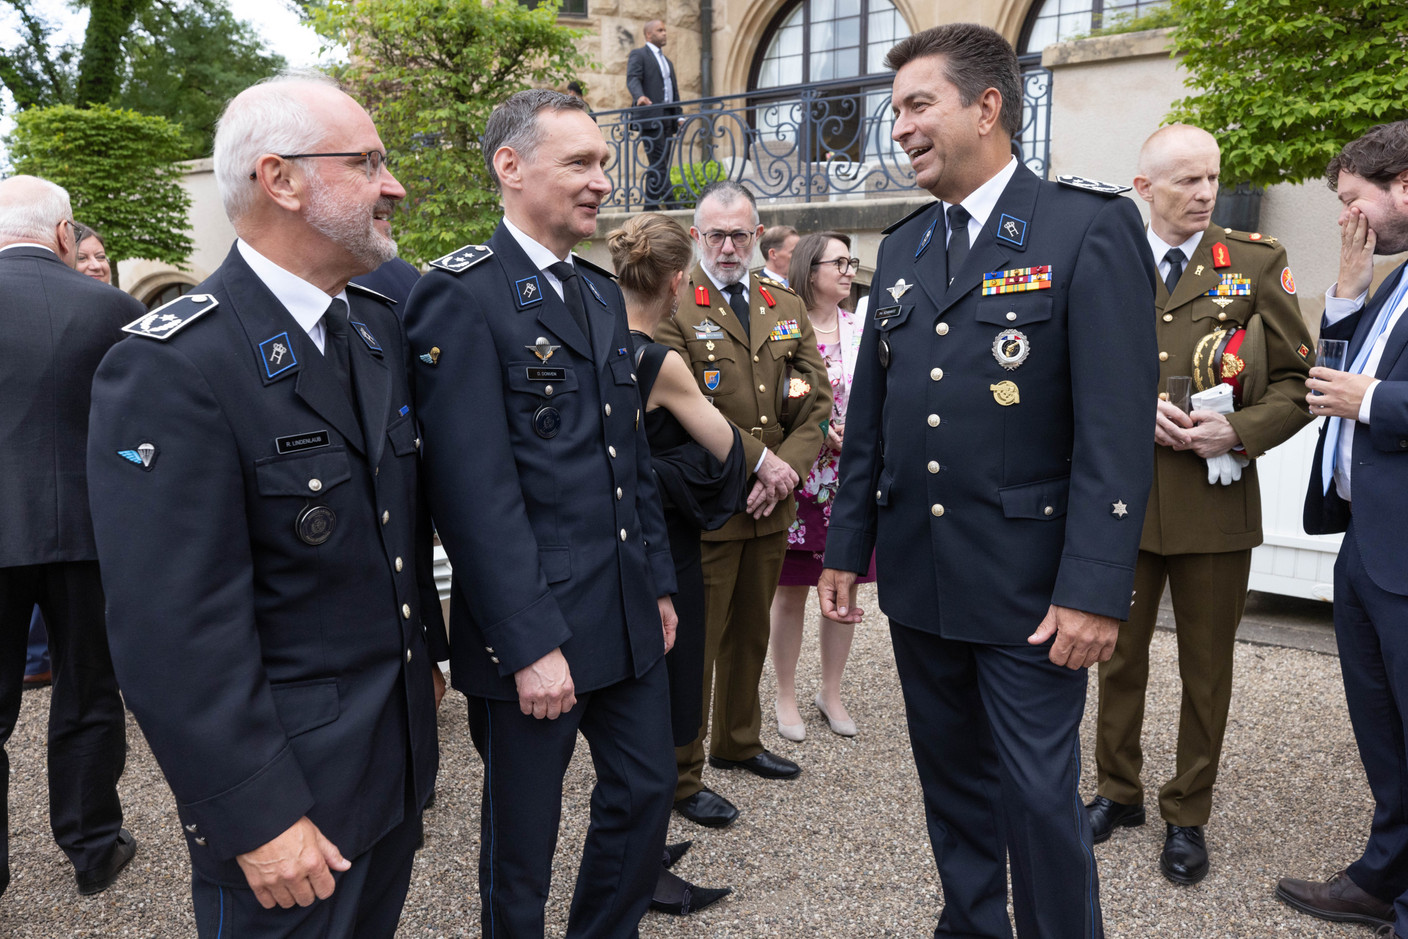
x,y
1198,537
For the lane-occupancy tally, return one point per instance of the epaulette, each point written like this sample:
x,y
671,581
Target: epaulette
x,y
778,284
170,318
1092,185
1254,237
353,285
919,211
462,259
578,259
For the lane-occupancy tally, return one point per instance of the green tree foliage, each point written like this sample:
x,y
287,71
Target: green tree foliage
x,y
1283,84
180,59
121,170
430,72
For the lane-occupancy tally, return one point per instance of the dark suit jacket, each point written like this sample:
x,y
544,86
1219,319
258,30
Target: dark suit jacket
x,y
538,474
392,280
643,77
982,515
1379,473
273,678
58,325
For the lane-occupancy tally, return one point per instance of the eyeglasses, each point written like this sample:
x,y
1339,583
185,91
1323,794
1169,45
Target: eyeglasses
x,y
740,239
372,160
843,265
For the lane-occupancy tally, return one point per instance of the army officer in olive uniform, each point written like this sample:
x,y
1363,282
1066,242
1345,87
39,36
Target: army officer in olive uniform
x,y
751,347
1226,311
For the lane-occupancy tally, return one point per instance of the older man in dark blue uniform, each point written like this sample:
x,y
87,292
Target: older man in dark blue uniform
x,y
539,479
997,460
253,467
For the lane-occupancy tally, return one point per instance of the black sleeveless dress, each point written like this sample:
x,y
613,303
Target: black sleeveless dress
x,y
699,493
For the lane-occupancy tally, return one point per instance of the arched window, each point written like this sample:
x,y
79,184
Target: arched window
x,y
1057,20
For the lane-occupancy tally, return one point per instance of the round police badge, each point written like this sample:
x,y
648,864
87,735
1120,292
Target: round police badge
x,y
315,524
884,353
1011,348
546,422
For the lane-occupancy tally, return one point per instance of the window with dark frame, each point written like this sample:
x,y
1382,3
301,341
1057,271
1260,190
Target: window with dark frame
x,y
568,8
1056,20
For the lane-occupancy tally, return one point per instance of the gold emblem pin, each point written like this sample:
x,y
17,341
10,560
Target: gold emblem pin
x,y
1198,271
1005,393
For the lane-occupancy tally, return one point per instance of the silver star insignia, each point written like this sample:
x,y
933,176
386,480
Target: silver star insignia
x,y
899,289
1120,509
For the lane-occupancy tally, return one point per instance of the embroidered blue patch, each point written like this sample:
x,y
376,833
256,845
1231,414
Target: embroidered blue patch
x,y
366,335
405,409
595,293
928,237
277,353
529,292
1013,230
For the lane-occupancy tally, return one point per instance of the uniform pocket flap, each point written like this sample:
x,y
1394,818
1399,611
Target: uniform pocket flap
x,y
303,705
306,474
623,367
882,489
402,434
1015,309
1043,499
556,563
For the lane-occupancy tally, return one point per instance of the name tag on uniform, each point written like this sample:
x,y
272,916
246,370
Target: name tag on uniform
x,y
708,330
295,442
546,374
885,312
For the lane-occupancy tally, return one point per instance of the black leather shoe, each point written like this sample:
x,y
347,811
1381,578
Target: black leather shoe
x,y
679,897
706,807
766,764
1185,857
101,877
673,853
1338,899
1106,815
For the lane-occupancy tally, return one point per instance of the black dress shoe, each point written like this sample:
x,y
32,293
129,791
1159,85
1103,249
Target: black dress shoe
x,y
678,897
101,877
1185,857
766,764
706,807
1106,815
673,853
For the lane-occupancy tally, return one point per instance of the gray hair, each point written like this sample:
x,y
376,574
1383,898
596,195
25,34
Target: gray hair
x,y
267,117
30,209
725,192
514,124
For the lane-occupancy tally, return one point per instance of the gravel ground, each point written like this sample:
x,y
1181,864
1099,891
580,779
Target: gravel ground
x,y
839,852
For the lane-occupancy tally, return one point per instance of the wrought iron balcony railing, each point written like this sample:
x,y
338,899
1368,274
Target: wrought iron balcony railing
x,y
825,141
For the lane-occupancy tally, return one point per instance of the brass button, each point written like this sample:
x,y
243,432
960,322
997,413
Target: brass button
x,y
762,387
315,484
400,565
547,390
762,419
608,410
489,649
385,517
1047,511
941,329
612,451
1011,317
201,842
494,659
933,420
623,534
1168,317
417,443
936,510
633,376
711,356
1222,316
877,494
933,466
1163,356
755,358
408,655
618,493
936,373
405,611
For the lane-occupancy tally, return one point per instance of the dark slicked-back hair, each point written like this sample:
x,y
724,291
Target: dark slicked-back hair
x,y
1379,156
514,123
976,58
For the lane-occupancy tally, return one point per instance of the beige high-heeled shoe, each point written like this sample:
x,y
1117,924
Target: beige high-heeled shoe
x,y
794,732
841,728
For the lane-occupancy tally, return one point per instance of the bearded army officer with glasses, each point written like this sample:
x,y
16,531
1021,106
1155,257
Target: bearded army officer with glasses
x,y
252,468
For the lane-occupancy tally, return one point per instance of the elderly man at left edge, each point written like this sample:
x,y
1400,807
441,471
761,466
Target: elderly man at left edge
x,y
253,471
58,326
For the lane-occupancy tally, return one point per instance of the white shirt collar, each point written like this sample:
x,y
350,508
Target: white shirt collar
x,y
1162,248
304,302
656,49
30,244
542,257
719,284
981,201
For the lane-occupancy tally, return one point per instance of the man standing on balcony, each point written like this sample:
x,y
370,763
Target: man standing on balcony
x,y
650,78
997,461
1227,313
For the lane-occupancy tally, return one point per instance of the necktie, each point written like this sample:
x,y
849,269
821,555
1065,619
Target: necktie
x,y
957,240
739,301
664,75
572,295
1175,268
335,347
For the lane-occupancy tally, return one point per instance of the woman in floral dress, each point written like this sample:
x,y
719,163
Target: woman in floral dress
x,y
821,273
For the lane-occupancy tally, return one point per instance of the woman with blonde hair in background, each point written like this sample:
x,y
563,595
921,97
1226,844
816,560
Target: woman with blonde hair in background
x,y
698,461
821,273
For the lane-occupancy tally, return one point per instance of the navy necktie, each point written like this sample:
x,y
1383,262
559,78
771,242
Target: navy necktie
x,y
572,295
1175,268
957,240
738,299
335,348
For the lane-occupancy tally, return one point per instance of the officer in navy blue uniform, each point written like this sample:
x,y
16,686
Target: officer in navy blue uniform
x,y
539,480
1359,486
997,460
252,467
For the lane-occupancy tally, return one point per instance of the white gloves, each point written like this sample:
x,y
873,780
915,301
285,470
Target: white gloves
x,y
1227,468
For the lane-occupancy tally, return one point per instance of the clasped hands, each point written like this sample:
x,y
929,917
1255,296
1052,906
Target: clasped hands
x,y
776,480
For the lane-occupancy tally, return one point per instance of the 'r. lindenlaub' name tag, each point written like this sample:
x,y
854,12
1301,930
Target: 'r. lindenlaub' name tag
x,y
295,442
